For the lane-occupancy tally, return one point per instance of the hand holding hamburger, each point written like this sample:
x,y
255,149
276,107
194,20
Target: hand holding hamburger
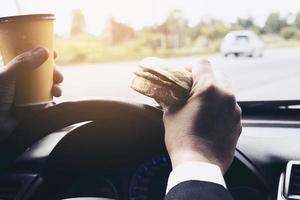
x,y
202,119
168,84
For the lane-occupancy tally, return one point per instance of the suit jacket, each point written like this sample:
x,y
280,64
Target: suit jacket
x,y
194,190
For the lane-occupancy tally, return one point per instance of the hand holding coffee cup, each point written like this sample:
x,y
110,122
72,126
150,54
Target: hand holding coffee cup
x,y
22,33
9,74
28,80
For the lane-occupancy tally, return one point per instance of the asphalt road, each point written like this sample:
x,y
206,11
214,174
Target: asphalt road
x,y
275,76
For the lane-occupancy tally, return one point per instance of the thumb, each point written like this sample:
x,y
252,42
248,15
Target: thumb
x,y
25,62
201,70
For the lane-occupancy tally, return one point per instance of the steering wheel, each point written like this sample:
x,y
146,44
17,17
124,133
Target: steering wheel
x,y
115,133
109,117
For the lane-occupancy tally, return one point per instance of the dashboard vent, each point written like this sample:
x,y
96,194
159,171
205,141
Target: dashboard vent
x,y
292,180
294,186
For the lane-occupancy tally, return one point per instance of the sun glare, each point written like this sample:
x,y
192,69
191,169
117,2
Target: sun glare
x,y
139,13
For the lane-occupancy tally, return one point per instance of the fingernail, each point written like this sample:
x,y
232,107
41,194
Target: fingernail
x,y
205,62
40,50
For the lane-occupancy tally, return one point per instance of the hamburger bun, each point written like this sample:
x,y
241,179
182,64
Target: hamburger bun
x,y
168,84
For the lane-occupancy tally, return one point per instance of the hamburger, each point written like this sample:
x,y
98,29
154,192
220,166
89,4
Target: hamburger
x,y
159,79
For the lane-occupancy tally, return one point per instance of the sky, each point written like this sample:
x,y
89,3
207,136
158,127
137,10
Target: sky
x,y
139,13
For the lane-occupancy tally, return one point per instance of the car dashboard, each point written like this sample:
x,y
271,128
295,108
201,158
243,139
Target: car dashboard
x,y
268,142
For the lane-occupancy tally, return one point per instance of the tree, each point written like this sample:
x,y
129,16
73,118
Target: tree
x,y
297,20
118,32
150,39
174,29
78,24
195,31
274,23
214,30
245,23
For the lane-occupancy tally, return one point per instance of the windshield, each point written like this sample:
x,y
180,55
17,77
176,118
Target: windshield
x,y
100,42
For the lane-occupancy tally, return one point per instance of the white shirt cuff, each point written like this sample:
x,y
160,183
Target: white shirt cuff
x,y
195,170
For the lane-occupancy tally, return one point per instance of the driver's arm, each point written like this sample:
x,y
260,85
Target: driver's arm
x,y
201,137
9,74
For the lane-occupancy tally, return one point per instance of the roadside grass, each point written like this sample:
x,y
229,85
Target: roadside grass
x,y
276,41
77,50
92,49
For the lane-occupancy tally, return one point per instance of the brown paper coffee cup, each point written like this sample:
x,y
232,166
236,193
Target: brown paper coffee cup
x,y
22,33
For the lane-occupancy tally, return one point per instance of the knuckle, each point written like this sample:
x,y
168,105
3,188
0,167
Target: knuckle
x,y
229,97
210,88
22,59
239,110
238,114
239,130
205,65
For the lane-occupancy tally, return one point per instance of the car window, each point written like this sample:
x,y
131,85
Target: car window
x,y
242,39
254,44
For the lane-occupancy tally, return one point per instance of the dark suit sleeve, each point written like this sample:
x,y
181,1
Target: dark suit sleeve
x,y
194,190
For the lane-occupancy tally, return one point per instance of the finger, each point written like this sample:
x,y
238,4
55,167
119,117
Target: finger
x,y
25,62
201,70
57,76
222,80
56,90
189,67
55,55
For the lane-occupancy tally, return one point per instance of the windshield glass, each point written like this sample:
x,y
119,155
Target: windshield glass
x,y
100,42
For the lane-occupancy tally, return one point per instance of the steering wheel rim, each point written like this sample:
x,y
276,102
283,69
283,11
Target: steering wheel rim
x,y
45,122
65,114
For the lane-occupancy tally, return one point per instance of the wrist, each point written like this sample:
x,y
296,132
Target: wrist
x,y
183,156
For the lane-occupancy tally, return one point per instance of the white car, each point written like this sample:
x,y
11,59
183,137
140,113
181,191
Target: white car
x,y
244,42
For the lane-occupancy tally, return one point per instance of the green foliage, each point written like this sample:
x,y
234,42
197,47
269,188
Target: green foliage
x,y
297,20
194,32
214,31
150,40
274,23
289,32
245,23
175,22
174,30
275,41
173,37
92,49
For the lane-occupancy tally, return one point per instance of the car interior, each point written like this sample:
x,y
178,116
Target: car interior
x,y
113,149
108,148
